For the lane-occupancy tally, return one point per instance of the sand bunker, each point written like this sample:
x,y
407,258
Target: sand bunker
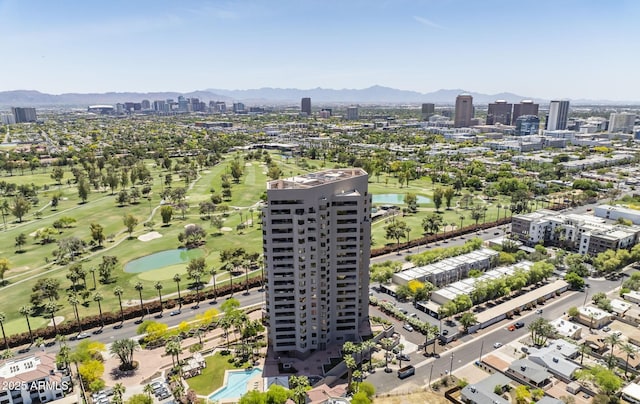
x,y
149,236
226,229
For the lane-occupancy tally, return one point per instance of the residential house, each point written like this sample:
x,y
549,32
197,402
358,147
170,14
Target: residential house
x,y
529,372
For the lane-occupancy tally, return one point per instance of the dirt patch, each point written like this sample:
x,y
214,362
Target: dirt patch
x,y
420,397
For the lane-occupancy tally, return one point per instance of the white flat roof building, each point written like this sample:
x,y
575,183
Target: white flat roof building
x,y
449,269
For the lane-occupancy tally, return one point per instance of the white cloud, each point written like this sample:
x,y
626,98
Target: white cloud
x,y
427,22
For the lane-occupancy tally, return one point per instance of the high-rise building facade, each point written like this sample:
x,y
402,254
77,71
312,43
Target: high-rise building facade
x,y
525,107
527,125
464,111
305,106
352,113
316,242
499,112
558,115
621,122
24,115
428,110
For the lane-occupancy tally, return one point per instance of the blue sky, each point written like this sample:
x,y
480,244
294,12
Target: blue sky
x,y
545,48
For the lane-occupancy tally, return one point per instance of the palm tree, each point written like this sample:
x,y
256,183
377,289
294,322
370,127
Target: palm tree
x,y
158,287
139,288
97,297
629,349
213,272
124,349
118,292
177,278
584,349
174,349
148,389
118,391
614,340
73,300
93,275
3,318
51,308
26,311
387,345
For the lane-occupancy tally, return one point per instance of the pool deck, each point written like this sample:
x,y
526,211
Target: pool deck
x,y
155,361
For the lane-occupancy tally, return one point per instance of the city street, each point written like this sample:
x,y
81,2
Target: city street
x,y
469,348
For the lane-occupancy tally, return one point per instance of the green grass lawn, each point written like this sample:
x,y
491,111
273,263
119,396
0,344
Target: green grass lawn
x,y
212,376
36,260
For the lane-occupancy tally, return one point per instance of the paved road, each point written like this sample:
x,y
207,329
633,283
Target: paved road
x,y
470,346
128,329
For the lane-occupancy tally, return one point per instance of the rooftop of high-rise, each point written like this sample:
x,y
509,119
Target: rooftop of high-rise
x,y
311,180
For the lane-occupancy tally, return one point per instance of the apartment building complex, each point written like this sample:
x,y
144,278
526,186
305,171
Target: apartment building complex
x,y
448,270
32,379
584,234
316,240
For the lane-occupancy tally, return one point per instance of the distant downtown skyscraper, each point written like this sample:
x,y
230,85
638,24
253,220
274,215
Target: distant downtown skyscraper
x,y
526,107
316,242
464,111
558,115
621,122
23,115
499,112
428,109
305,106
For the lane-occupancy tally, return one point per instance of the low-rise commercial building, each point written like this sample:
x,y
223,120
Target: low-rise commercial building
x,y
617,212
585,234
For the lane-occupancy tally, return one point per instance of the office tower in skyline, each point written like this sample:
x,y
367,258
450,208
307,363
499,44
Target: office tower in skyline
x,y
558,115
464,111
305,106
428,110
352,113
525,107
499,112
621,122
316,243
527,125
24,115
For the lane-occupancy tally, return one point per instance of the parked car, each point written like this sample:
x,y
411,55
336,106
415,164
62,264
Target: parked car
x,y
497,345
403,357
408,327
175,313
606,329
539,311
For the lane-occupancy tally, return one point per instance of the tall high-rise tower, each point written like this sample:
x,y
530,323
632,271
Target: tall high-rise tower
x,y
22,115
499,112
428,109
526,107
316,242
558,115
621,122
464,111
305,106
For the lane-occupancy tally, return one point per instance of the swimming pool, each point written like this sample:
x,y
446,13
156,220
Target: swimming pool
x,y
396,198
161,259
236,384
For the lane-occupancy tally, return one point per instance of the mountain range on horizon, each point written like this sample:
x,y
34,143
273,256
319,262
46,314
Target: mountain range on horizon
x,y
283,96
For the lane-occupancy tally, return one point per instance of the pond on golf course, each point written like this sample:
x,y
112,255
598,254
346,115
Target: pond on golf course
x,y
161,259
